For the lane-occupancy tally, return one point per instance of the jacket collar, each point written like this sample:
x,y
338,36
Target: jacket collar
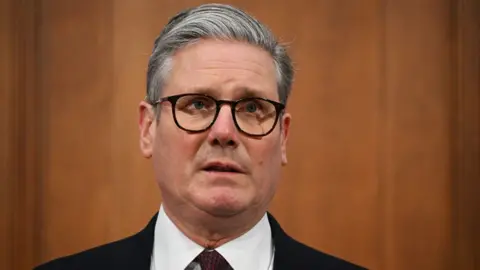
x,y
283,246
137,251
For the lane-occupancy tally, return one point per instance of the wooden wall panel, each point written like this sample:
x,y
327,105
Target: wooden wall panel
x,y
6,140
466,133
75,47
134,190
418,88
18,135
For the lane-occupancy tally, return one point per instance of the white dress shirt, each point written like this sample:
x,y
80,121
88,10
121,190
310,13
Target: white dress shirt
x,y
172,250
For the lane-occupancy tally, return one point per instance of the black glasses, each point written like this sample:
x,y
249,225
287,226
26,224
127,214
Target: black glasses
x,y
253,116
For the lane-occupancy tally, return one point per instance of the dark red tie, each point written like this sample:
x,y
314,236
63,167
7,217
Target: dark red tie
x,y
212,260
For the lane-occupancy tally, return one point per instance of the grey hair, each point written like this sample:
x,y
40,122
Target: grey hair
x,y
217,21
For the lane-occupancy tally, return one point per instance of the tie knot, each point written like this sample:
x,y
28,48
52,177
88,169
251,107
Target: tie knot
x,y
212,260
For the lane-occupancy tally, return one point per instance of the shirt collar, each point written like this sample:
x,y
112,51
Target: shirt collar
x,y
256,245
173,250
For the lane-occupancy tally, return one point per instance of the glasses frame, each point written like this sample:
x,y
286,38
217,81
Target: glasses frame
x,y
279,108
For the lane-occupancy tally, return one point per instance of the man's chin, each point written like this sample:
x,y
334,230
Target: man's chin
x,y
224,211
223,207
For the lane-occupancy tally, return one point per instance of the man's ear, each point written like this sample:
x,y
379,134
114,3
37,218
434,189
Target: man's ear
x,y
285,121
146,126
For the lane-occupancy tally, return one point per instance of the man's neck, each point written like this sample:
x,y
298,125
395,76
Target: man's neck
x,y
210,231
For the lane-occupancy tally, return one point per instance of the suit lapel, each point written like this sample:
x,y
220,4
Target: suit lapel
x,y
139,252
283,245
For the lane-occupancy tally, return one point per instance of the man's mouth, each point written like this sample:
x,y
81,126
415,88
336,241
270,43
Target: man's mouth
x,y
221,167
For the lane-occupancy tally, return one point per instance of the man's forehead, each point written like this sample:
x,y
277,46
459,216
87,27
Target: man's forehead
x,y
216,67
236,92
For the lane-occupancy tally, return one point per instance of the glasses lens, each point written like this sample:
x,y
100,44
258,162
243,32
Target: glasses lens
x,y
195,112
255,116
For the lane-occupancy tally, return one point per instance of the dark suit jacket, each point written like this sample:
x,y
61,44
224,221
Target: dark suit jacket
x,y
135,253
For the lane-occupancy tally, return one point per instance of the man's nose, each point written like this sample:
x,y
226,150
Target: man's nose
x,y
223,132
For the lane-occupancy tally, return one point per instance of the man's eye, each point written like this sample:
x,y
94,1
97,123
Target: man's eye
x,y
198,104
251,107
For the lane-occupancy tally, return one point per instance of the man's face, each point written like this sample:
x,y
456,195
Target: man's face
x,y
184,162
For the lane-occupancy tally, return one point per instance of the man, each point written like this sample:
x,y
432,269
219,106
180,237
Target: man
x,y
215,127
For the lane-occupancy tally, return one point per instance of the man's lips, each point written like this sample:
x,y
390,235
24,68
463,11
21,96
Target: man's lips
x,y
222,167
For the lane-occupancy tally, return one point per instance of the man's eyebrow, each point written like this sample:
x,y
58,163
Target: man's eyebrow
x,y
246,92
203,90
